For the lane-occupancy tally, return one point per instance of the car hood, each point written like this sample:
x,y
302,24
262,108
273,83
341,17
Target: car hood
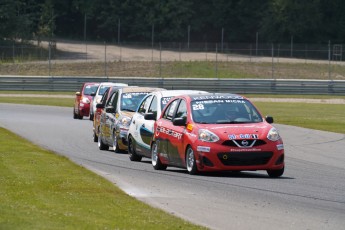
x,y
239,131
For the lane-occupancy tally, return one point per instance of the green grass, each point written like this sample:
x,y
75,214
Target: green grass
x,y
232,69
37,92
327,117
64,102
42,190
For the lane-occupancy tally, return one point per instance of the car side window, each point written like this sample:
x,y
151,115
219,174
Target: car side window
x,y
114,102
153,105
169,112
144,105
104,97
110,100
181,110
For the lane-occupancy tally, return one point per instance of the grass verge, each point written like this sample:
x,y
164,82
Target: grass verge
x,y
64,102
42,190
327,117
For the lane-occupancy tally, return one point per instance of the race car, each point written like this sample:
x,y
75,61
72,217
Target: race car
x,y
141,130
216,132
117,114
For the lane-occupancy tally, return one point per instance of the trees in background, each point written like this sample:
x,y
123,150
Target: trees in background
x,y
168,20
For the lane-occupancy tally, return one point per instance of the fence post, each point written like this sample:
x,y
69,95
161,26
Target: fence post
x,y
49,57
13,52
329,59
257,43
160,60
272,61
152,40
291,51
105,60
216,60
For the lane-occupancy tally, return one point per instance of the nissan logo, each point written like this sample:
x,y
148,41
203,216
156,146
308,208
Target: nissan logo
x,y
244,143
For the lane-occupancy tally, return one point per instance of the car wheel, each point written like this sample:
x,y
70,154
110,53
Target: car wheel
x,y
101,144
191,162
115,146
91,117
133,156
75,116
275,173
95,137
156,162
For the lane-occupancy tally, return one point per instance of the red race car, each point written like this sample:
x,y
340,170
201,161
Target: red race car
x,y
216,132
83,99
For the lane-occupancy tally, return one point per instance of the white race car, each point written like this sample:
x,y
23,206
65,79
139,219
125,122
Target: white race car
x,y
141,130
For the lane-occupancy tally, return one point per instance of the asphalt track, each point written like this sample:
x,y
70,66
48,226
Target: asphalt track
x,y
310,195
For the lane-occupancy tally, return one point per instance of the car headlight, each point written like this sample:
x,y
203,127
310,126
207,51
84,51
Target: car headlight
x,y
125,121
208,136
85,100
273,135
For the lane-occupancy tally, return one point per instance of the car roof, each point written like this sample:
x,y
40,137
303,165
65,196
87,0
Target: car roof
x,y
112,84
140,89
215,96
171,93
90,83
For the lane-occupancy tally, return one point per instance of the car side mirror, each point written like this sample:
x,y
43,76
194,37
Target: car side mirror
x,y
110,109
99,106
150,116
269,119
180,121
93,94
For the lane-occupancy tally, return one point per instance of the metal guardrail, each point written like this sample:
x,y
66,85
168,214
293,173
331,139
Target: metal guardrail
x,y
250,86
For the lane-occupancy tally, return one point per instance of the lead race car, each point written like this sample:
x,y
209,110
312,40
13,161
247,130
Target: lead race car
x,y
216,132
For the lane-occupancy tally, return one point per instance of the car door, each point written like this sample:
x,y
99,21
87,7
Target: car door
x,y
176,146
141,132
164,135
109,118
98,111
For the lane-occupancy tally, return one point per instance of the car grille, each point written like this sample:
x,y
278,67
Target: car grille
x,y
243,143
244,158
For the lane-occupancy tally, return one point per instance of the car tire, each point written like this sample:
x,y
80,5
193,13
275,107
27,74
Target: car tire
x,y
275,173
115,146
95,137
191,162
75,116
133,156
156,162
101,144
91,117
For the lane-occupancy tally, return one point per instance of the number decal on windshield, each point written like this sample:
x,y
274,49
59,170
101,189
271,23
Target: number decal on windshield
x,y
198,107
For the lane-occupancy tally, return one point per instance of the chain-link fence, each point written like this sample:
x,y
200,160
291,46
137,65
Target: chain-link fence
x,y
163,60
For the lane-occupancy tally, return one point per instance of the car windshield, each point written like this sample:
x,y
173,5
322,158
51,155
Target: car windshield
x,y
224,111
102,89
89,89
164,101
130,101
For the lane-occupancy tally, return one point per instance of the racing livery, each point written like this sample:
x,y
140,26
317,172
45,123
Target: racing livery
x,y
216,132
117,114
140,131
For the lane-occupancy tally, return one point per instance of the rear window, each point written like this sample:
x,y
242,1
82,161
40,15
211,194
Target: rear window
x,y
164,101
89,89
131,101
